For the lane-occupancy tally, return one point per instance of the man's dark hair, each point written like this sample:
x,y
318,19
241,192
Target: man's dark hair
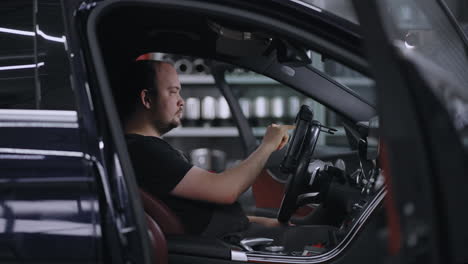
x,y
140,75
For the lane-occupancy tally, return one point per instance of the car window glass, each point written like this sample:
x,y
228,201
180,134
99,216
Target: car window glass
x,y
265,101
34,69
54,76
209,135
17,89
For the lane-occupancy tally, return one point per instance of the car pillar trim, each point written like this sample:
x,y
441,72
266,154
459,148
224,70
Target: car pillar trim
x,y
20,115
43,152
39,124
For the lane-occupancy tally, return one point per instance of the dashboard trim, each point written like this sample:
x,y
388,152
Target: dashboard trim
x,y
329,255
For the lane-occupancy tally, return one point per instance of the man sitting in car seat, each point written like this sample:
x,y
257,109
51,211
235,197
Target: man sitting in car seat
x,y
205,202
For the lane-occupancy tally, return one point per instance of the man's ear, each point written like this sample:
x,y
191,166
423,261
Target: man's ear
x,y
145,99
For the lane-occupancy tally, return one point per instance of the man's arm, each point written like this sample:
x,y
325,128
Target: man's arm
x,y
227,186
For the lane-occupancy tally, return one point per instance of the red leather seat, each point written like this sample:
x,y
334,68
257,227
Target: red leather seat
x,y
158,241
161,214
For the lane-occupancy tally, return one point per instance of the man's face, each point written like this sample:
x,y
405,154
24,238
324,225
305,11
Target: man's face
x,y
167,111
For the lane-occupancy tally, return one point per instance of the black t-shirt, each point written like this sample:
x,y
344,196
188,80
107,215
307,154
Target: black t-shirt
x,y
159,168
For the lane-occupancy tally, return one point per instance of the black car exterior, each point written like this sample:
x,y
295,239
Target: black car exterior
x,y
56,194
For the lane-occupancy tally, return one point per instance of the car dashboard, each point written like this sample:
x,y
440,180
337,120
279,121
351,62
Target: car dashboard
x,y
343,203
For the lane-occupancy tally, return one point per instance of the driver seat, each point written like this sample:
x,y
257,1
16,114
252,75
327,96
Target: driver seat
x,y
158,241
169,223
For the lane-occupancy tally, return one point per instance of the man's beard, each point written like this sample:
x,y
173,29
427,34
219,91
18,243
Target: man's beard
x,y
163,128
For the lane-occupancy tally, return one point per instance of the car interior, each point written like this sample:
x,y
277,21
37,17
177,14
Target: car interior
x,y
340,199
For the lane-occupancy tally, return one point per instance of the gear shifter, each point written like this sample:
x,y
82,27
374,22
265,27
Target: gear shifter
x,y
248,243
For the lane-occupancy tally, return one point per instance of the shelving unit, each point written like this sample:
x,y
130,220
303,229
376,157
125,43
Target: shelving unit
x,y
222,132
257,80
250,85
252,80
241,79
210,132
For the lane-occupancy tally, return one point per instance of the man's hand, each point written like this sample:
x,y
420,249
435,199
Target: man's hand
x,y
266,221
276,136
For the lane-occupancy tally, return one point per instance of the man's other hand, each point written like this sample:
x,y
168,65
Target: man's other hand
x,y
266,221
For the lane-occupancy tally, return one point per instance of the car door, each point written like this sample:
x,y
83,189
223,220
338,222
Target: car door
x,y
124,224
63,197
48,188
420,64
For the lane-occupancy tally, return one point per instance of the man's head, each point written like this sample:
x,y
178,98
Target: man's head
x,y
153,96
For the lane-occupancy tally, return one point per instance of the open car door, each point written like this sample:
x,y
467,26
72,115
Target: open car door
x,y
420,68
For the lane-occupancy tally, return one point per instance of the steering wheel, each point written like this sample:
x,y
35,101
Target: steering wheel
x,y
296,162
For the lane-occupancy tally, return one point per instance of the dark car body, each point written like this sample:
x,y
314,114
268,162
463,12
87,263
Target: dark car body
x,y
67,188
